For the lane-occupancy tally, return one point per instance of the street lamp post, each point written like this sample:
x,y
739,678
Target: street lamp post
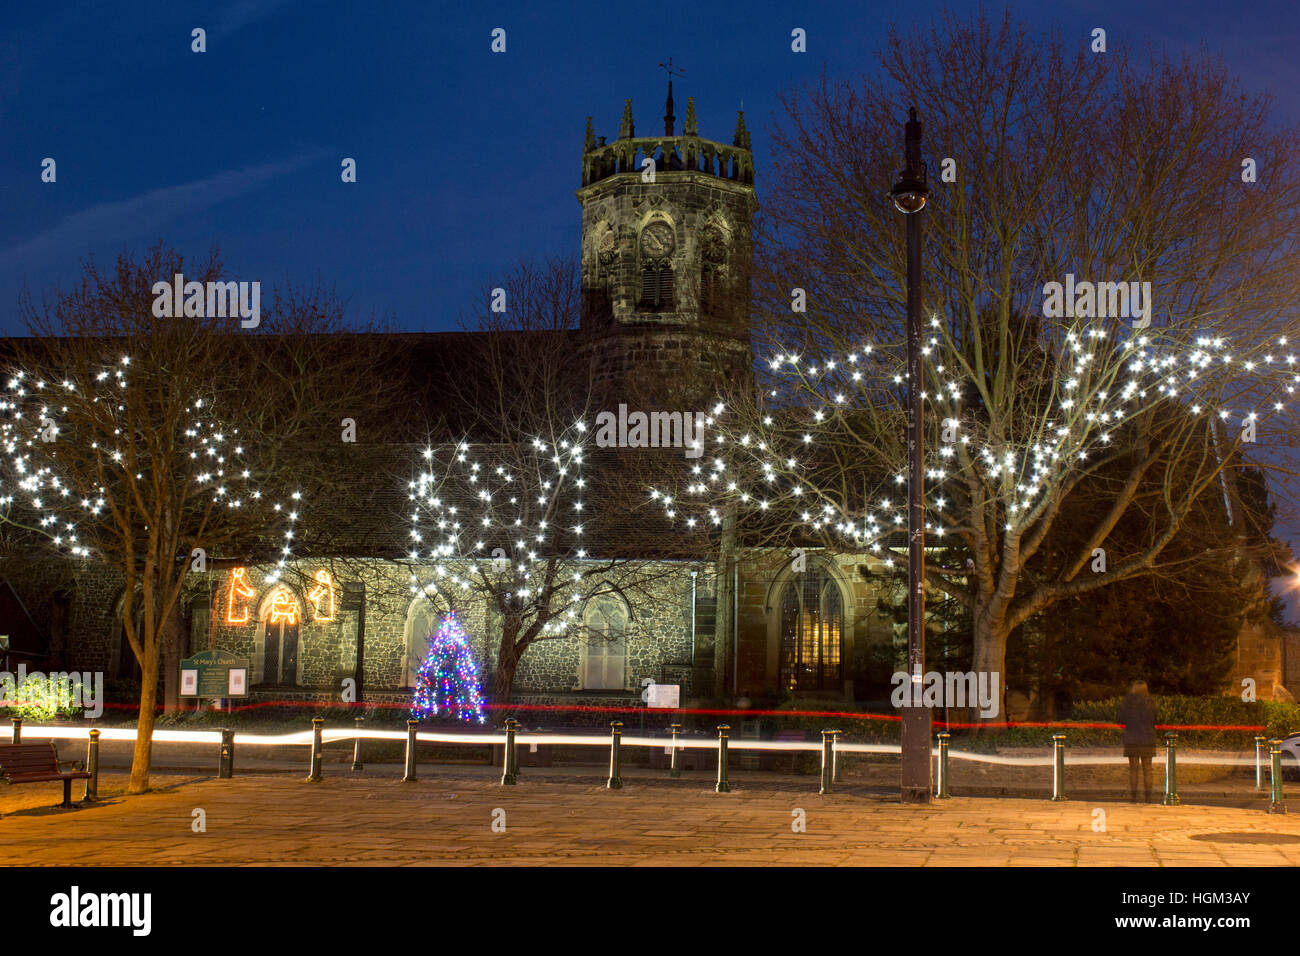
x,y
909,194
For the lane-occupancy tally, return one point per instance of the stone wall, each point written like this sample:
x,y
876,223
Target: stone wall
x,y
1260,657
74,605
658,636
657,632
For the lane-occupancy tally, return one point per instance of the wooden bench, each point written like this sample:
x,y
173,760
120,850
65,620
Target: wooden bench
x,y
37,763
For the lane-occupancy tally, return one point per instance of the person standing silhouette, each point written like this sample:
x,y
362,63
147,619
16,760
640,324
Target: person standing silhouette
x,y
1138,715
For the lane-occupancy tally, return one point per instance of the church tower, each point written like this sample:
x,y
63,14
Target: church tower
x,y
666,253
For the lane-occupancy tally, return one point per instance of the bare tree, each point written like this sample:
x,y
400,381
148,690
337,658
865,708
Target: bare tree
x,y
147,444
1053,167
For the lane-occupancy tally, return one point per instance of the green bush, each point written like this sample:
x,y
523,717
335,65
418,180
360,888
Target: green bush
x,y
40,698
1278,717
122,690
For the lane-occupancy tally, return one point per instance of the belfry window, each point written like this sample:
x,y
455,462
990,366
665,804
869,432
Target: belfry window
x,y
710,288
657,286
713,260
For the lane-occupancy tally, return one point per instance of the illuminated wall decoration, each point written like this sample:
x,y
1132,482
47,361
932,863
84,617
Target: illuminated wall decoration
x,y
284,608
238,588
324,591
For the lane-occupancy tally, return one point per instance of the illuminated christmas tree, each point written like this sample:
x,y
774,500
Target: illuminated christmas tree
x,y
448,683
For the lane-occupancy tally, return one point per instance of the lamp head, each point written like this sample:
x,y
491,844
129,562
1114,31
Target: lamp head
x,y
910,192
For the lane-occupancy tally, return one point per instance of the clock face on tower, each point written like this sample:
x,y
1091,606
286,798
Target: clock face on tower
x,y
606,247
713,245
657,240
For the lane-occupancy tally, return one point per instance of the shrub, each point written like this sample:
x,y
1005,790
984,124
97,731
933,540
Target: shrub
x,y
1278,717
43,698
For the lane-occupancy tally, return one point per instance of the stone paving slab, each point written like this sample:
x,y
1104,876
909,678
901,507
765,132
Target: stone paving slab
x,y
447,819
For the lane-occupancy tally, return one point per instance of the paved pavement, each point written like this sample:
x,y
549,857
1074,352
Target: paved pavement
x,y
558,818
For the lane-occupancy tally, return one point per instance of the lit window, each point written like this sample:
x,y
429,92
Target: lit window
x,y
812,624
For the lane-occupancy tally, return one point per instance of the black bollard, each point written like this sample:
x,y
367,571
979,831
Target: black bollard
x,y
356,751
1277,801
723,785
410,752
510,761
226,769
92,767
314,776
944,739
615,781
1171,769
1058,767
828,761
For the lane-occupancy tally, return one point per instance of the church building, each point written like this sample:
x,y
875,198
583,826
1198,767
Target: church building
x,y
666,244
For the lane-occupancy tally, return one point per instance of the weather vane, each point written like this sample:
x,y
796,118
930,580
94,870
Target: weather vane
x,y
672,70
669,118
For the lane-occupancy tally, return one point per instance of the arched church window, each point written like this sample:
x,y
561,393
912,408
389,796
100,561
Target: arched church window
x,y
656,248
604,652
422,621
812,625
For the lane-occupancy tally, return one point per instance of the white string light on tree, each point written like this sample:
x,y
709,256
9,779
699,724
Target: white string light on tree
x,y
505,520
781,454
87,463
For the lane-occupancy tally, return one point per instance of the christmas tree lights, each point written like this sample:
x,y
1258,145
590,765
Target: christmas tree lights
x,y
448,682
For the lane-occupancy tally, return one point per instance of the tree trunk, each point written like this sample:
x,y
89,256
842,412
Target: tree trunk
x,y
724,610
171,646
144,725
359,671
507,662
990,657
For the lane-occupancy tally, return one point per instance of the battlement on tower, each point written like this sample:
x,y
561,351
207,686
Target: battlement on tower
x,y
688,152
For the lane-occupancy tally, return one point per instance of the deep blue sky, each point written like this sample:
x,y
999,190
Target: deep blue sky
x,y
467,161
